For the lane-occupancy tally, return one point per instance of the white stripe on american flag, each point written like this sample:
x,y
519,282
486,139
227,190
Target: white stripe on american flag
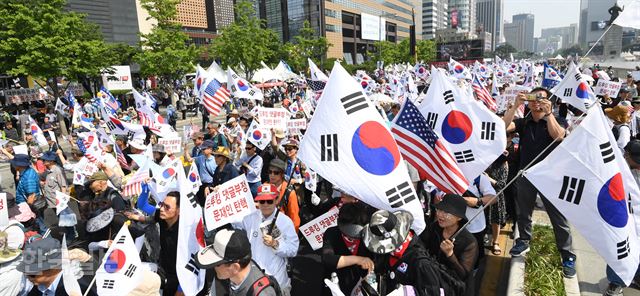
x,y
213,104
449,178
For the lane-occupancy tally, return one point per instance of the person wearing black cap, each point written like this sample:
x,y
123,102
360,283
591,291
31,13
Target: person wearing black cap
x,y
28,188
460,254
343,250
230,256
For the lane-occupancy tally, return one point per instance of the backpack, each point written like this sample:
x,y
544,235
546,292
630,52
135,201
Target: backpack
x,y
440,275
616,130
262,283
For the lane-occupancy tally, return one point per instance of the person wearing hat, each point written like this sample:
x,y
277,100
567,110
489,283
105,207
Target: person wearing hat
x,y
214,135
234,129
230,255
158,153
206,164
620,117
459,255
12,281
343,250
294,175
42,264
198,139
225,170
271,247
250,164
287,198
28,188
270,152
104,195
54,181
400,256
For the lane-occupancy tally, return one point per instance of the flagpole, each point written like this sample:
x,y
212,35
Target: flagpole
x,y
596,43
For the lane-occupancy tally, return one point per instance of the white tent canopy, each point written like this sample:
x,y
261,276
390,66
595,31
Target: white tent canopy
x,y
283,72
264,74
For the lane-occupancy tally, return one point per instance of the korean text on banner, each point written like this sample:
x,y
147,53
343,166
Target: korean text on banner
x,y
273,118
171,145
314,230
229,203
4,210
295,125
610,88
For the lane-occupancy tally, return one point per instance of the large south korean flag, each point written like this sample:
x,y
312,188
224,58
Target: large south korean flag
x,y
474,135
348,144
588,180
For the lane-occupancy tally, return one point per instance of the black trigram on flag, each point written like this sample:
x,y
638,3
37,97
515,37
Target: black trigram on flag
x,y
354,102
192,199
131,270
571,189
488,130
629,204
448,97
108,284
464,156
568,92
432,118
234,76
191,265
252,92
607,152
329,147
578,77
622,249
111,125
400,195
121,240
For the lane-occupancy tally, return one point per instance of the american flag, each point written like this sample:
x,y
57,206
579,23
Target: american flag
x,y
316,85
483,95
421,147
121,159
134,185
214,96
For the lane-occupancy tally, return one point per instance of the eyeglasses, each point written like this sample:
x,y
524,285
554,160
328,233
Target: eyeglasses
x,y
164,206
272,172
290,148
265,202
248,148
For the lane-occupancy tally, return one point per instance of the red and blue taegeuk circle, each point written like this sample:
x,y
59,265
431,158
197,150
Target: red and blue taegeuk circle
x,y
612,205
456,127
199,82
582,91
374,149
458,68
193,177
257,135
168,173
242,86
115,261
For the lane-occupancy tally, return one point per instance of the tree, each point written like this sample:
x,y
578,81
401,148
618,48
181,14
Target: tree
x,y
426,50
245,42
40,39
306,45
571,51
504,50
165,52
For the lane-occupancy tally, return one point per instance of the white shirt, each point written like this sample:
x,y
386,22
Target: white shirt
x,y
624,136
273,261
253,174
479,224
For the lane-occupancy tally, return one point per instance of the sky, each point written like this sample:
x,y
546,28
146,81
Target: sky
x,y
548,13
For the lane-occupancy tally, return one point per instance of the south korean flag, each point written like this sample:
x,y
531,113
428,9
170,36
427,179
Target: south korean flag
x,y
241,88
348,144
588,180
260,137
475,135
121,269
575,90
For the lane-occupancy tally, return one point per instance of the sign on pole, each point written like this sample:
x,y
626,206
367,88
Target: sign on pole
x,y
314,230
273,118
229,203
605,87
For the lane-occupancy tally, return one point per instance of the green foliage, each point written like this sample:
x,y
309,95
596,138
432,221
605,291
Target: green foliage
x,y
245,43
165,52
504,50
571,51
305,45
543,272
40,38
392,53
426,50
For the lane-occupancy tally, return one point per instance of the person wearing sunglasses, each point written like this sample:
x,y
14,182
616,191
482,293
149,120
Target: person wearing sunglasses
x,y
271,248
343,251
290,205
250,164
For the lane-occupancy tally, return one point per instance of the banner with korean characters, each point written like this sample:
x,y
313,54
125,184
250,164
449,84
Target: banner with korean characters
x,y
229,203
314,230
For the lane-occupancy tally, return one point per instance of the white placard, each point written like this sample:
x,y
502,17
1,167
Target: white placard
x,y
186,133
372,27
4,211
171,145
231,202
273,118
52,136
605,87
509,96
20,149
295,125
119,80
314,230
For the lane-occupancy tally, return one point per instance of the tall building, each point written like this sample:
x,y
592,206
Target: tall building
x,y
435,15
198,20
568,34
223,13
117,19
286,18
462,15
522,42
514,35
489,19
594,18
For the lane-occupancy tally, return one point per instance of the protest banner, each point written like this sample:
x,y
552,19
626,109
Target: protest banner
x,y
509,96
86,167
171,145
314,230
4,210
186,133
20,149
605,87
229,203
295,125
273,118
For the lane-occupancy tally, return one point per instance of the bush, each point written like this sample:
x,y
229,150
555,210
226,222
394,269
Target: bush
x,y
543,271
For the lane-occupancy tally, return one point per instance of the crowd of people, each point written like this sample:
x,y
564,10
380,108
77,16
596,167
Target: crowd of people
x,y
371,251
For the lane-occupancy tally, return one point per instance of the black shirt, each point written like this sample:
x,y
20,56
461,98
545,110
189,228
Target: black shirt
x,y
534,137
224,174
168,245
465,250
334,247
